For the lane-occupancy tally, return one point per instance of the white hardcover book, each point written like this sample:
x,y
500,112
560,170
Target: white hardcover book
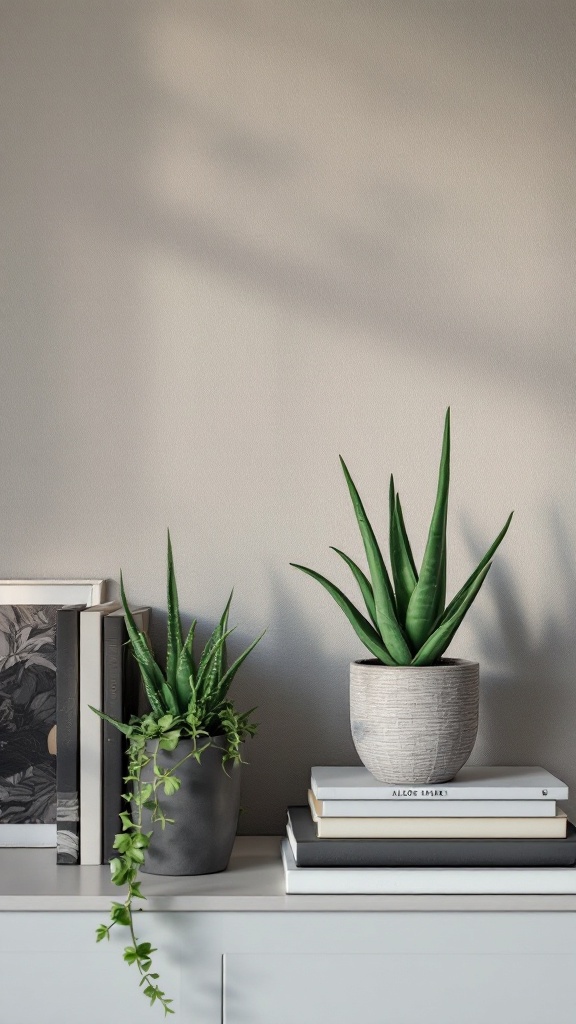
x,y
473,782
91,731
441,828
412,881
441,809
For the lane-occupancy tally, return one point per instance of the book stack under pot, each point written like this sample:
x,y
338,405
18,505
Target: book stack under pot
x,y
489,830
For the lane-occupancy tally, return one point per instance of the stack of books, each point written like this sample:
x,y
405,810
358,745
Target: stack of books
x,y
489,830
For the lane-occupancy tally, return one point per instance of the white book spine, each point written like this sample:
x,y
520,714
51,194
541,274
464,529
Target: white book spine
x,y
424,809
91,731
482,783
430,881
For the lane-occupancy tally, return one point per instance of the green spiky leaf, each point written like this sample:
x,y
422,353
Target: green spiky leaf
x,y
363,583
360,625
427,600
401,561
174,643
434,647
388,626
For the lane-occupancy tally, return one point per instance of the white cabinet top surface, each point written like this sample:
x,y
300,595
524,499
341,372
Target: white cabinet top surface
x,y
31,880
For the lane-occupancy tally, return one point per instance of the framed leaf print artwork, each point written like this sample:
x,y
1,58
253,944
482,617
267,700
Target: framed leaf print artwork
x,y
28,610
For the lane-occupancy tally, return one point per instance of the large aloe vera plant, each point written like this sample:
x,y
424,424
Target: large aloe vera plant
x,y
407,621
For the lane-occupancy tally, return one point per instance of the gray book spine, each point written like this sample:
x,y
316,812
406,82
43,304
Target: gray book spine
x,y
67,718
418,853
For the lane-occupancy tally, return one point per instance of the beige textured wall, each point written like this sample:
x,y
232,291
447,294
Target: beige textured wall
x,y
240,238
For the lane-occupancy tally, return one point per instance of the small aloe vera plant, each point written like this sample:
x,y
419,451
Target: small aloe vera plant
x,y
189,700
407,620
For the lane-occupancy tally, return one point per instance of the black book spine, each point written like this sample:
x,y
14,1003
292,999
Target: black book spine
x,y
67,734
425,853
120,701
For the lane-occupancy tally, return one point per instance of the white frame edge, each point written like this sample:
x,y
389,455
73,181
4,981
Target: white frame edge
x,y
60,592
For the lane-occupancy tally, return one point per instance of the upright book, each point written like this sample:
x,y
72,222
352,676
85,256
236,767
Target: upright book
x,y
404,881
121,699
91,731
67,719
473,782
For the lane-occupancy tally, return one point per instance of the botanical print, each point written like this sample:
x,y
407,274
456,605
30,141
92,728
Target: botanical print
x,y
27,713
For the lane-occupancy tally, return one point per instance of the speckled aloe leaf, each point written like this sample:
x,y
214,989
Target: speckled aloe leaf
x,y
174,644
154,682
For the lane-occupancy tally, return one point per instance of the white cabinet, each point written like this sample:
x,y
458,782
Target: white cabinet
x,y
234,949
401,969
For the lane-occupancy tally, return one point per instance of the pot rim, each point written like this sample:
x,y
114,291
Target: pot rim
x,y
445,663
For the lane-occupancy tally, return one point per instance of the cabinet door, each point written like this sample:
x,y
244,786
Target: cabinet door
x,y
396,989
53,972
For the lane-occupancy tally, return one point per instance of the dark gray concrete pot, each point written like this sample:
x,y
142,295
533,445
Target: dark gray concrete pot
x,y
205,811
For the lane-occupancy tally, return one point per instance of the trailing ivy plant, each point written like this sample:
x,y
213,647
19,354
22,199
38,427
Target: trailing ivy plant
x,y
189,700
407,621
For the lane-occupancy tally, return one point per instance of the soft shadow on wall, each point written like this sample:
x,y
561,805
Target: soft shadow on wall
x,y
528,690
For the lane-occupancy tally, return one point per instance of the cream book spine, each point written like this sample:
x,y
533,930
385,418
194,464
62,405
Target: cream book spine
x,y
441,828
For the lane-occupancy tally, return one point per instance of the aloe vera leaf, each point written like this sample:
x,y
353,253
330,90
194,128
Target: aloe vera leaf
x,y
404,535
187,651
369,637
185,671
427,598
121,726
151,673
487,558
364,584
174,645
402,570
388,626
215,636
226,680
434,647
203,678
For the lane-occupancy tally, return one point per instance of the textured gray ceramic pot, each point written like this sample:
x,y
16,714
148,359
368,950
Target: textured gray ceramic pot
x,y
205,811
413,725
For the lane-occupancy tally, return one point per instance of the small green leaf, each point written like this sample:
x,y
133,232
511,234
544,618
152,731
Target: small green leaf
x,y
171,785
170,740
120,914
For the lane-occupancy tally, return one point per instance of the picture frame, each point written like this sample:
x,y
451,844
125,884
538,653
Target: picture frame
x,y
28,610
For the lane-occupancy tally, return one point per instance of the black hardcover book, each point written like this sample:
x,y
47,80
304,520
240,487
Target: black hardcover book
x,y
121,698
67,734
310,851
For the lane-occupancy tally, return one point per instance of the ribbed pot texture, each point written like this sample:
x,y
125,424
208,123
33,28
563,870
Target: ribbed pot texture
x,y
205,811
414,725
